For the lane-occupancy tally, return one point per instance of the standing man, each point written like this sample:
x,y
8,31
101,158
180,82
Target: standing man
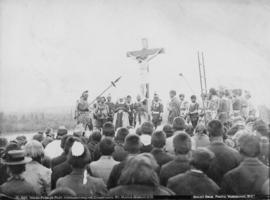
x,y
174,107
82,114
101,113
183,106
141,114
193,111
129,106
111,107
156,111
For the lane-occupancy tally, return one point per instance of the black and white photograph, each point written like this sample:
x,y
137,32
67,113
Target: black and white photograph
x,y
134,99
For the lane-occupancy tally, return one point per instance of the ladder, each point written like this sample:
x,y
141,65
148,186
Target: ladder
x,y
203,84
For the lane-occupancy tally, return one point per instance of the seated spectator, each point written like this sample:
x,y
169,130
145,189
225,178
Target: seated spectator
x,y
226,158
16,185
180,164
132,146
119,153
62,192
103,167
93,142
78,181
61,158
179,125
200,138
158,142
195,181
147,129
54,149
64,168
168,130
35,173
251,174
139,179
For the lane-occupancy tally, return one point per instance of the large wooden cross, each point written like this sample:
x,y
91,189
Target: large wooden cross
x,y
143,57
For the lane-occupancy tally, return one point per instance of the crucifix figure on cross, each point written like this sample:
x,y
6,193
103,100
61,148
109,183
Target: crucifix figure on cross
x,y
143,57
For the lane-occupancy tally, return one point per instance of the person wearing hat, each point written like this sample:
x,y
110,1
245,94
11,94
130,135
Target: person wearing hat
x,y
54,149
251,174
195,181
178,126
78,180
139,179
180,163
147,129
120,153
35,173
63,168
16,184
158,142
174,107
132,146
226,158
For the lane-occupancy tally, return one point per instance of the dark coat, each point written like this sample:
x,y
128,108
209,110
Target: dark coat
x,y
14,187
94,187
161,156
59,171
192,183
115,175
247,178
176,166
58,160
226,158
139,191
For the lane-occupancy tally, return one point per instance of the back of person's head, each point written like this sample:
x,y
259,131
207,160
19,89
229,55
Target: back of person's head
x,y
249,145
172,92
158,139
61,132
200,129
38,137
35,150
179,124
121,134
21,140
138,131
168,130
147,128
132,144
69,142
79,155
182,143
201,159
95,136
63,140
140,169
62,192
108,129
189,130
106,146
261,127
215,128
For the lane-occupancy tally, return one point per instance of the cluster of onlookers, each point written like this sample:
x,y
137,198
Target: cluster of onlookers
x,y
174,159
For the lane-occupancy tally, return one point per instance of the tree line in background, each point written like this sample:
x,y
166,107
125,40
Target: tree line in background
x,y
34,121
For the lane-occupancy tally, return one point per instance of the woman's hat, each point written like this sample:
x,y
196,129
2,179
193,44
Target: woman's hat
x,y
16,157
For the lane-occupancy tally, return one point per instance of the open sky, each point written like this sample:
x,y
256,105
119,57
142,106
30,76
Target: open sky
x,y
51,51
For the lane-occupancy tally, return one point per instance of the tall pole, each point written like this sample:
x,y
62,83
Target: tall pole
x,y
204,74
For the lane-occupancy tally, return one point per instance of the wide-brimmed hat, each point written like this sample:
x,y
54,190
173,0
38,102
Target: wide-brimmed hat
x,y
16,157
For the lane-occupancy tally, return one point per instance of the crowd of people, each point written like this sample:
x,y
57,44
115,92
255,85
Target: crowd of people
x,y
126,150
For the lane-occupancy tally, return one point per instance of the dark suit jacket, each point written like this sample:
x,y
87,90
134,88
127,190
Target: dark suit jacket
x,y
14,187
115,175
247,178
94,187
139,191
59,171
161,156
226,158
172,168
58,160
192,183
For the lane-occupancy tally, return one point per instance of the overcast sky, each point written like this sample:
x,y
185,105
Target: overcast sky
x,y
51,51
